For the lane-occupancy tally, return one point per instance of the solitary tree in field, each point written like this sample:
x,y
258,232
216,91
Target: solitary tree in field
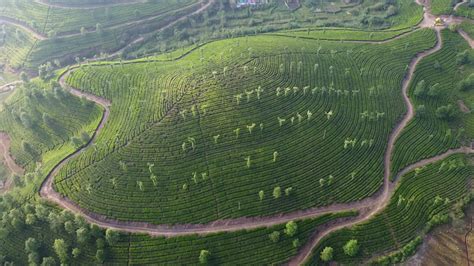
x,y
98,29
278,91
248,94
277,192
204,256
420,89
351,248
288,191
216,137
275,155
281,121
247,160
322,182
238,97
237,131
296,243
291,228
251,127
327,254
274,237
140,185
330,179
329,114
261,195
259,90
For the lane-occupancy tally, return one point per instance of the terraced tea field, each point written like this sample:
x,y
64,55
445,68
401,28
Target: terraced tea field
x,y
228,129
304,146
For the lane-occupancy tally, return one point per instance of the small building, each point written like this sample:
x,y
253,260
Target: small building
x,y
439,22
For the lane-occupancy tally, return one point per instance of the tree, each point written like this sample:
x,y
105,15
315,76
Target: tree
x,y
83,31
420,110
26,120
76,252
111,236
274,237
69,227
467,84
100,243
41,212
446,112
84,137
48,261
261,195
462,58
60,247
296,243
24,77
26,146
204,256
327,254
277,192
100,256
82,235
76,142
351,248
288,191
48,121
98,28
31,245
434,90
30,219
291,228
420,89
33,258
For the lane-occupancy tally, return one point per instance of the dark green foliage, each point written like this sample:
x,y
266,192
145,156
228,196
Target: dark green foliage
x,y
446,112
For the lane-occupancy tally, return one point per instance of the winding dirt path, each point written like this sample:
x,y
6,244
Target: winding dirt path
x,y
467,38
459,4
9,162
24,26
5,142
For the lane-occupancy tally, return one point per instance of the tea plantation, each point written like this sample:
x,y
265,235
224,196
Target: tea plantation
x,y
191,132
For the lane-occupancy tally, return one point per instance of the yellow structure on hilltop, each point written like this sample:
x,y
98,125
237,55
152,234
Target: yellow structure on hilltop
x,y
439,22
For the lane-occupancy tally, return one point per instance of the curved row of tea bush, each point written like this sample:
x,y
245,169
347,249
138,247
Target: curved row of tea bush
x,y
428,134
171,152
38,118
424,199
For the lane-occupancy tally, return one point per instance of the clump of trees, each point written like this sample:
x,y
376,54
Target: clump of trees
x,y
75,233
446,112
467,84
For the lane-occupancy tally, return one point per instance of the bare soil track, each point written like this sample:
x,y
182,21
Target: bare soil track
x,y
5,157
22,25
